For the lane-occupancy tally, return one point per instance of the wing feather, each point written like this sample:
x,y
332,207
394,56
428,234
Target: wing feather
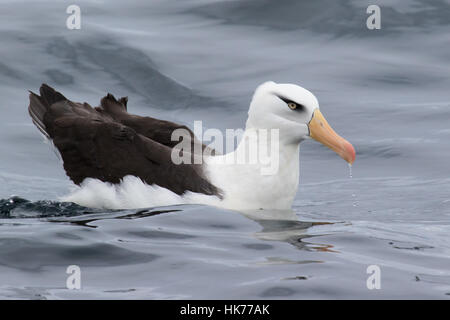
x,y
108,144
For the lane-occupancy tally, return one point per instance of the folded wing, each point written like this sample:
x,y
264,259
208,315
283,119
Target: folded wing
x,y
108,143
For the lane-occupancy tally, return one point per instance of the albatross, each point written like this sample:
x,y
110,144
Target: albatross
x,y
109,144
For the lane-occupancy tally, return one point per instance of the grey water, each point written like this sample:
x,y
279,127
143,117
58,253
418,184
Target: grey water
x,y
386,91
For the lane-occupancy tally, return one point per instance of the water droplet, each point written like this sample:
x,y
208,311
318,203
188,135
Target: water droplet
x,y
355,202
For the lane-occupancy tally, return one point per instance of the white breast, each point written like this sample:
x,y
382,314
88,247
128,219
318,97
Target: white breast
x,y
249,186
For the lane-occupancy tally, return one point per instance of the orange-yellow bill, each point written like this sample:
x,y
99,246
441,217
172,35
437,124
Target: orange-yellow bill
x,y
320,130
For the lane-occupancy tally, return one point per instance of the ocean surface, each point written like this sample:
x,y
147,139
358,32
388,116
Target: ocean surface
x,y
386,91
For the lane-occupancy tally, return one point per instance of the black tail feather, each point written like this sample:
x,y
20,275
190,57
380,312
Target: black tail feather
x,y
40,104
50,95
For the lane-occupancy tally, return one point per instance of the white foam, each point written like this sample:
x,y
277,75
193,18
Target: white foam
x,y
131,193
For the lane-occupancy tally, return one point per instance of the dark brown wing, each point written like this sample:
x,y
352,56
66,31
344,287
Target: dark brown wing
x,y
155,129
92,143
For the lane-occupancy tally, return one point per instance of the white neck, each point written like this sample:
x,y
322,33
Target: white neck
x,y
265,183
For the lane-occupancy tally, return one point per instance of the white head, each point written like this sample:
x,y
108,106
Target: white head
x,y
295,112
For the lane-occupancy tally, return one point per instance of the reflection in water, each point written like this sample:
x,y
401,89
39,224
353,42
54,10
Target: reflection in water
x,y
283,225
277,225
141,213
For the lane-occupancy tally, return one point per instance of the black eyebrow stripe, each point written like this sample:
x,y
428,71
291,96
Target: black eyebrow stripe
x,y
287,100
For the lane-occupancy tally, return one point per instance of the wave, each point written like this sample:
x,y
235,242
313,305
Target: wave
x,y
325,16
17,207
131,68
